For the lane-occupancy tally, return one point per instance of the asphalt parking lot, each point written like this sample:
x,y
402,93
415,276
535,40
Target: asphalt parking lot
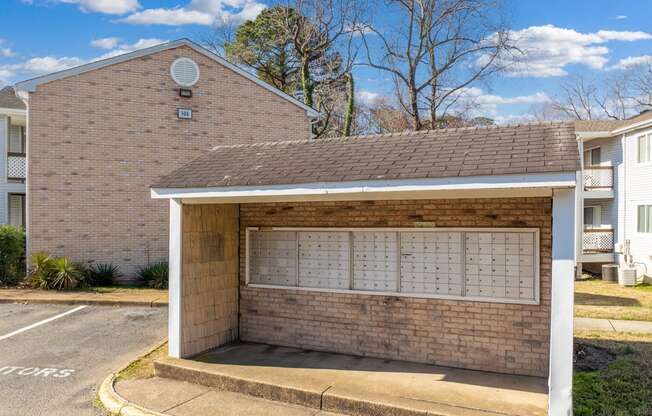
x,y
53,357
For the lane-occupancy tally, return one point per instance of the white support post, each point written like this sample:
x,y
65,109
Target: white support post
x,y
560,380
175,287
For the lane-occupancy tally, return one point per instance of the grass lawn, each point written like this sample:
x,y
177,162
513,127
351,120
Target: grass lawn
x,y
613,374
144,366
598,299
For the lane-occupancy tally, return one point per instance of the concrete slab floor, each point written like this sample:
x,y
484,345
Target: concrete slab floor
x,y
359,385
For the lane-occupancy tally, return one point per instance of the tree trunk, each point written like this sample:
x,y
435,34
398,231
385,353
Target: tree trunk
x,y
306,84
348,118
414,110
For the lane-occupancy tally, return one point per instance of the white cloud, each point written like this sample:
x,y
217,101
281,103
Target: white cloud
x,y
620,17
548,50
126,48
5,76
105,43
47,64
170,17
633,62
485,101
5,51
198,12
367,97
105,6
474,102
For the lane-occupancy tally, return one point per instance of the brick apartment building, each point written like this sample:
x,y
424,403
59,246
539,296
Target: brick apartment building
x,y
101,133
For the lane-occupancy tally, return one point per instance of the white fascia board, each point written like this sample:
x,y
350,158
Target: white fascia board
x,y
30,85
640,124
13,112
533,180
584,136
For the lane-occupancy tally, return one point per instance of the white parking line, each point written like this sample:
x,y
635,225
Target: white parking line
x,y
45,321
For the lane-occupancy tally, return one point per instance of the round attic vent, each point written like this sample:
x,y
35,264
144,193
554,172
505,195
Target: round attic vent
x,y
185,72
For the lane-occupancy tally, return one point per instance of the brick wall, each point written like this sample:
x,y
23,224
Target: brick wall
x,y
98,140
505,338
210,277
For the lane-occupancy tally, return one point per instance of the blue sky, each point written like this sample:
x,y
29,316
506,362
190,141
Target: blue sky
x,y
590,37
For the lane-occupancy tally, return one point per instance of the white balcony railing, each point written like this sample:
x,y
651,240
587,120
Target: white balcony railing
x,y
16,166
598,178
598,241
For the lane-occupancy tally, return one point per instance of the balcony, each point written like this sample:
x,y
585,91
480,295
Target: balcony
x,y
16,167
598,245
598,181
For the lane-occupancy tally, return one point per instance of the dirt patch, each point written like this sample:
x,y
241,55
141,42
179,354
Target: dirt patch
x,y
587,357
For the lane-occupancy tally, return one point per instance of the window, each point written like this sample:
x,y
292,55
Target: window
x,y
592,157
475,264
17,210
644,146
16,140
592,217
645,218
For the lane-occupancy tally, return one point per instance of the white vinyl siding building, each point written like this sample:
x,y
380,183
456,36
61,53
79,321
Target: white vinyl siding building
x,y
12,166
637,193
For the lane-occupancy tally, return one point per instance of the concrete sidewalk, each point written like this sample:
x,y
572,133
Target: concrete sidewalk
x,y
593,324
162,396
354,385
108,296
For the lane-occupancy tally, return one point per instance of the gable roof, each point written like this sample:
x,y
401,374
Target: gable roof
x,y
609,128
9,100
444,153
30,85
594,126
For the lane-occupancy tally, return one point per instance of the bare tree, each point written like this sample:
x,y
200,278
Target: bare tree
x,y
438,48
323,41
578,99
617,96
382,116
639,81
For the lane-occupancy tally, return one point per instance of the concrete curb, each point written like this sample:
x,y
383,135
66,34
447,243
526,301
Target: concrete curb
x,y
99,302
116,404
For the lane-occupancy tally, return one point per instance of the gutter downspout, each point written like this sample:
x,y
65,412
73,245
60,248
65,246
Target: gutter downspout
x,y
579,250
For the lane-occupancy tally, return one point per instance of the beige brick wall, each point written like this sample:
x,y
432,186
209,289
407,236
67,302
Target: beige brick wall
x,y
98,140
499,337
209,277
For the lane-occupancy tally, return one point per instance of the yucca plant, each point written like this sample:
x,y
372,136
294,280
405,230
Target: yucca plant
x,y
41,269
65,274
155,275
102,274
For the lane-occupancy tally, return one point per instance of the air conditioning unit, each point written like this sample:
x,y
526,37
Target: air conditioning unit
x,y
626,276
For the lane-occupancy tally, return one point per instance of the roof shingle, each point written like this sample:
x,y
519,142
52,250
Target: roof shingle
x,y
530,148
8,99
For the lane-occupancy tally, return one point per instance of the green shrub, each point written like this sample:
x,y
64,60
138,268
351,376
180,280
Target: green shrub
x,y
155,275
102,274
12,250
55,273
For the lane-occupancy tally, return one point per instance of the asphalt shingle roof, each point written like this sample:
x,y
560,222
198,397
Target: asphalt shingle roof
x,y
441,153
610,125
8,99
